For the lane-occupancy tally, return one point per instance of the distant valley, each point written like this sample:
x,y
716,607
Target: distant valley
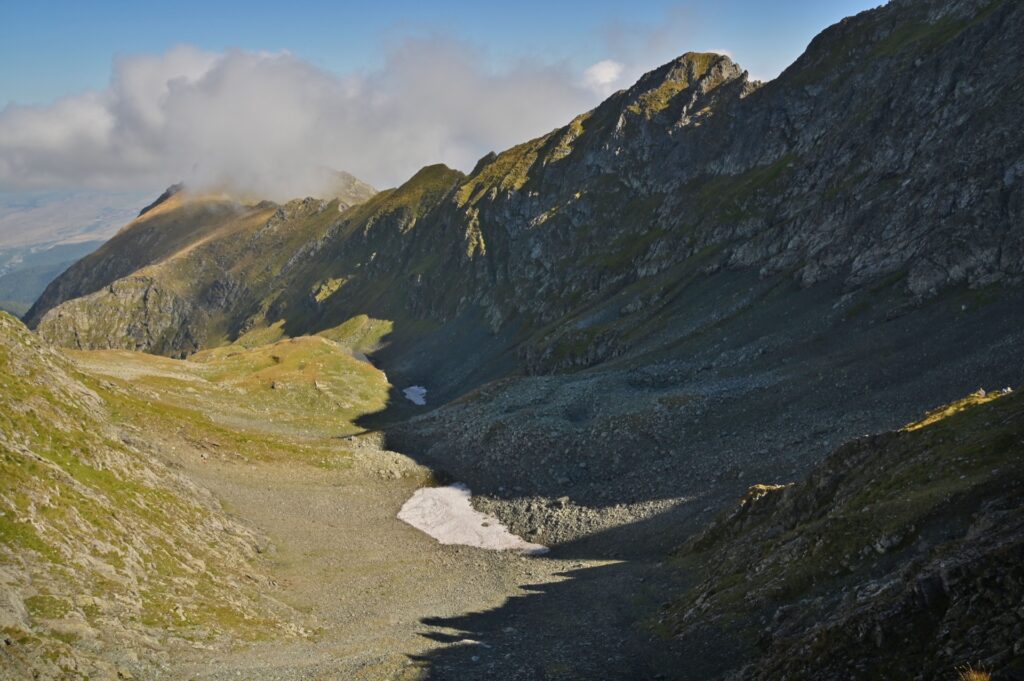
x,y
26,272
43,233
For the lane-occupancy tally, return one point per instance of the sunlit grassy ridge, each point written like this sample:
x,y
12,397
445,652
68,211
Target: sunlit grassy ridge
x,y
404,204
954,408
99,541
188,274
168,229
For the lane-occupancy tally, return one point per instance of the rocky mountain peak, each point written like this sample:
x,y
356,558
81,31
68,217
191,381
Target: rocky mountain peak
x,y
706,69
695,73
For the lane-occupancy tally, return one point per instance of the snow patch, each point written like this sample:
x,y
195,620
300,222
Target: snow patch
x,y
446,515
416,394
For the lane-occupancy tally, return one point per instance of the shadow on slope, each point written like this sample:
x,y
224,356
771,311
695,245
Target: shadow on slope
x,y
947,489
746,380
575,629
718,401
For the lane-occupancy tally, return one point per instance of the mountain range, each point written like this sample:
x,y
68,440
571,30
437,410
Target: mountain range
x,y
723,339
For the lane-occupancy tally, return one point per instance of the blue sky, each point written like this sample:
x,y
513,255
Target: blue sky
x,y
55,48
264,98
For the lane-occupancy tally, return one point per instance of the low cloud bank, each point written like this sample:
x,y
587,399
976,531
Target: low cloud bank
x,y
271,123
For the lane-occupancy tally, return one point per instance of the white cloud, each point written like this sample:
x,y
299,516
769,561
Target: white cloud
x,y
269,122
603,76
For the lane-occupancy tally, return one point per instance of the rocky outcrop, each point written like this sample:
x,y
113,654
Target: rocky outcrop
x,y
168,193
899,557
134,313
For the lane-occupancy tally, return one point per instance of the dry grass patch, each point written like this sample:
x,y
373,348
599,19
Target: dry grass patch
x,y
969,673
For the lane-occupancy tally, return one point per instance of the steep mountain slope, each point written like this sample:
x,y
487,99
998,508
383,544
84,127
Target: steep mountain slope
x,y
899,557
226,233
159,232
105,552
835,172
184,275
572,245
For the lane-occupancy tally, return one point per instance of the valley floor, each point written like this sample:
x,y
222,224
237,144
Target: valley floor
x,y
376,598
366,580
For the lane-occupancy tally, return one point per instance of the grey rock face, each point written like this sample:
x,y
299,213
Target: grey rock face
x,y
889,153
134,313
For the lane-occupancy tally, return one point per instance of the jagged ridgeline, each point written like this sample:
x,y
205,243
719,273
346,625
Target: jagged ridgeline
x,y
887,156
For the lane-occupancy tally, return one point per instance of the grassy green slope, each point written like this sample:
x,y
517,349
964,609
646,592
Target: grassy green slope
x,y
103,548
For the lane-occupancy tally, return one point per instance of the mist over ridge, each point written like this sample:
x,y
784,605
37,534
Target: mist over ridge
x,y
270,123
